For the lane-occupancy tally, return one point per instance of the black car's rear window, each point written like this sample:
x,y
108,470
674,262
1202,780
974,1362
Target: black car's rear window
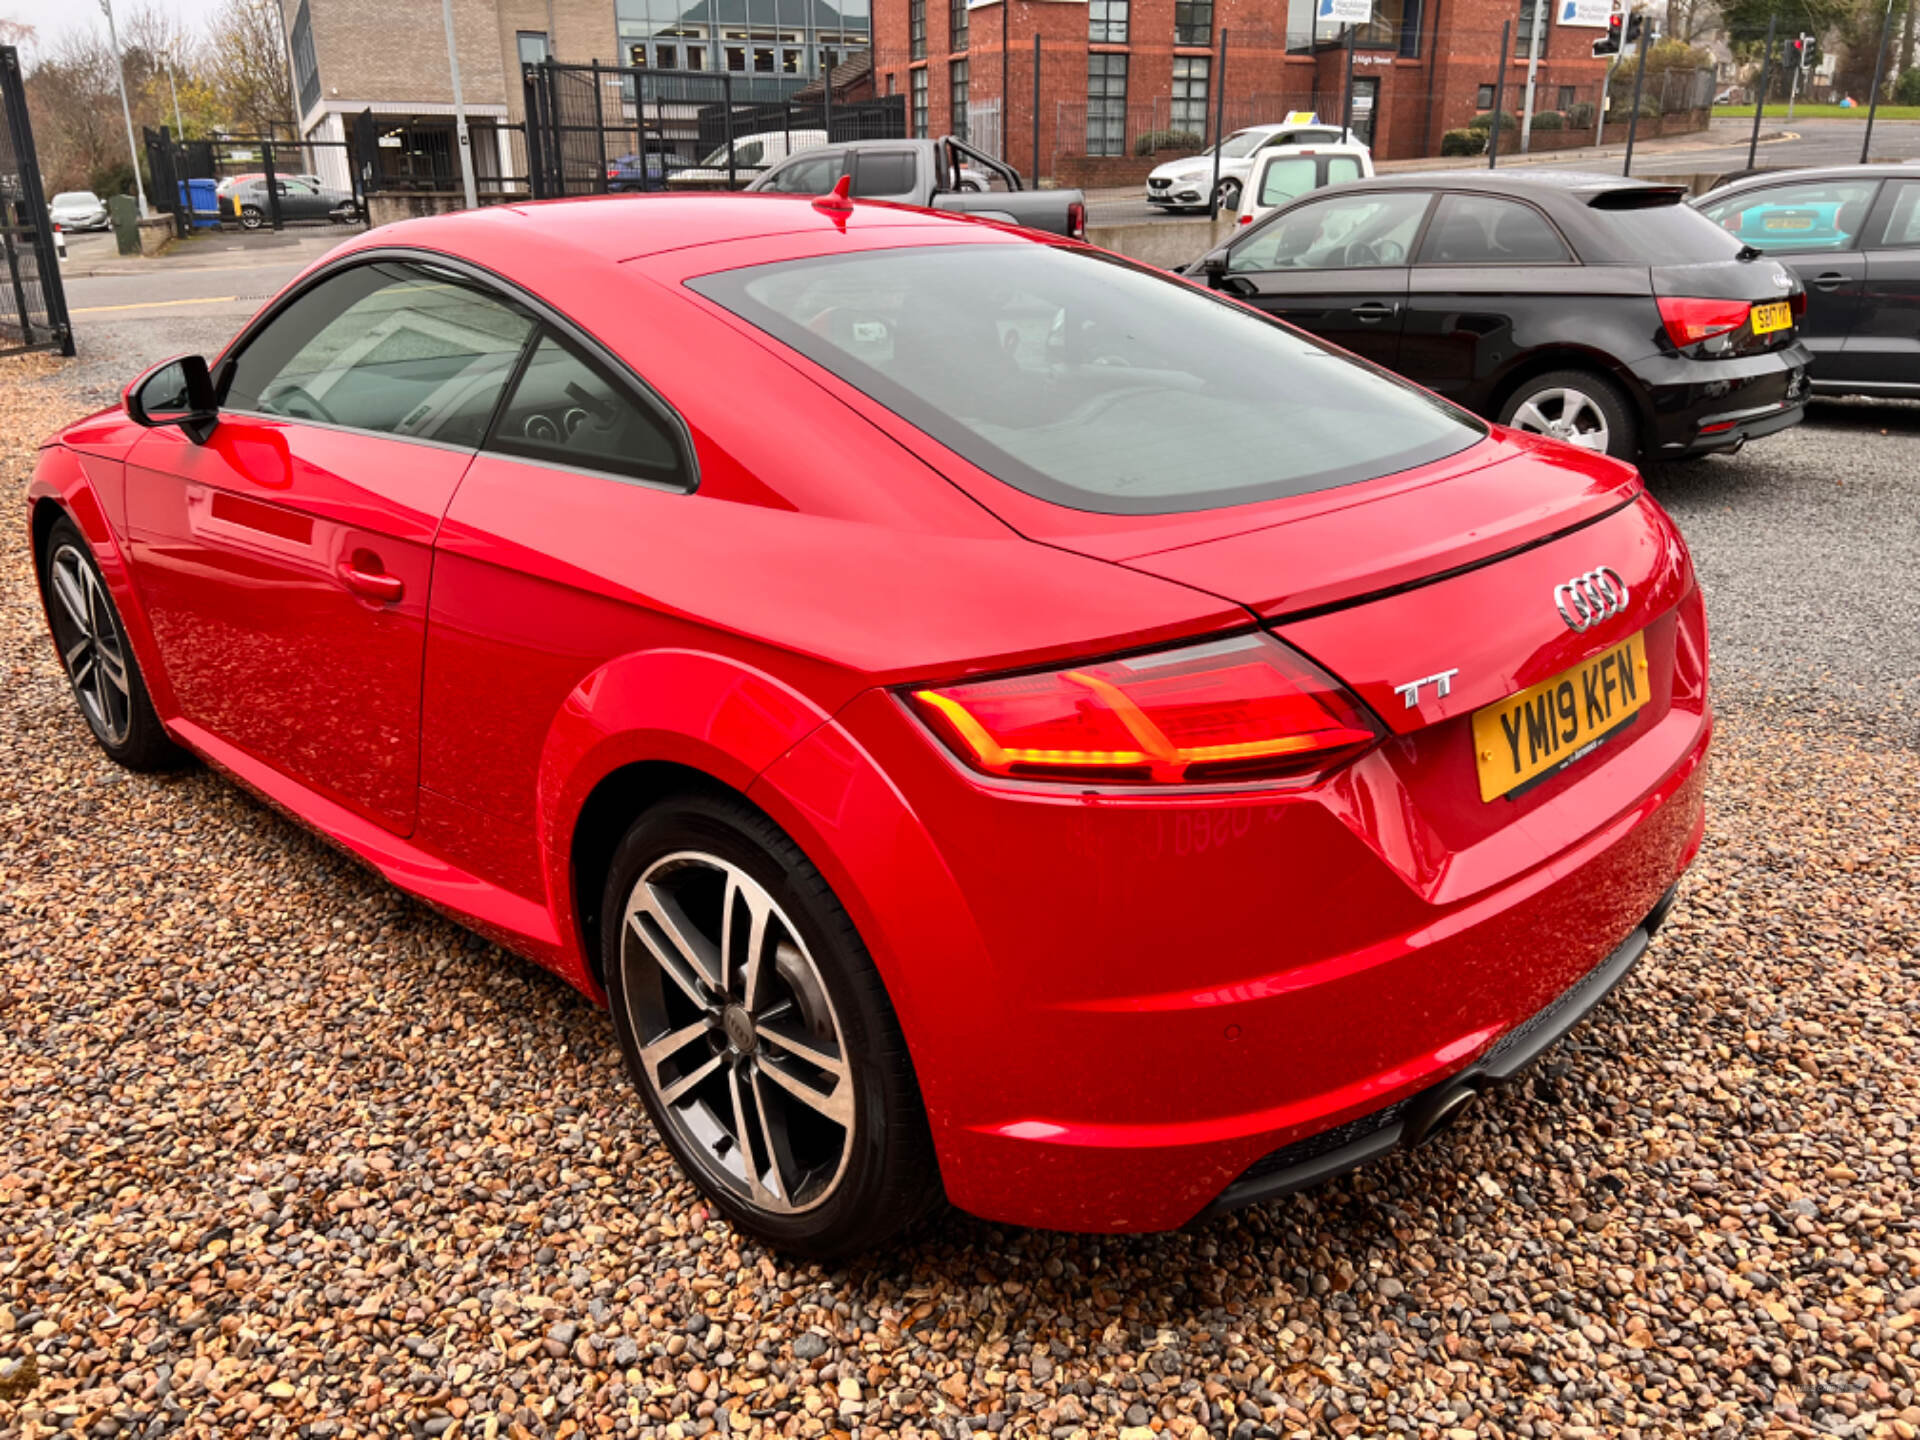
x,y
1091,383
1671,233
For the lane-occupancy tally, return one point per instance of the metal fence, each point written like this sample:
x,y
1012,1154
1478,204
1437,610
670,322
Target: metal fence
x,y
592,129
33,306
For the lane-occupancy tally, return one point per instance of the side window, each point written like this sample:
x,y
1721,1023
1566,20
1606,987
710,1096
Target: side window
x,y
1903,225
566,409
809,175
1812,215
747,155
1480,230
1349,232
392,347
1287,177
888,172
1341,168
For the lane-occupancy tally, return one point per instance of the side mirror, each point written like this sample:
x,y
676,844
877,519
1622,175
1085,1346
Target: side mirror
x,y
1214,267
175,392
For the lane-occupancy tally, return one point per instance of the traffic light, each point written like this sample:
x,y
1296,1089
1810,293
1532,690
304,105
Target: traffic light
x,y
1800,51
1610,45
1634,25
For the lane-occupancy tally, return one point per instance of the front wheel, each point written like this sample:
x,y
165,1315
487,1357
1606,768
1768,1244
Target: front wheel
x,y
98,660
1578,407
250,217
758,1032
1229,194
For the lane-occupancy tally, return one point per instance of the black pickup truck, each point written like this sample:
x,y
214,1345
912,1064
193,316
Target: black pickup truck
x,y
944,174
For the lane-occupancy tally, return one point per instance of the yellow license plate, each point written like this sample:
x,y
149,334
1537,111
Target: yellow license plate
x,y
1526,737
1769,318
1789,222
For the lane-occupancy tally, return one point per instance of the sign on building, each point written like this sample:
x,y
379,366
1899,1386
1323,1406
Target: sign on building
x,y
1344,12
1592,13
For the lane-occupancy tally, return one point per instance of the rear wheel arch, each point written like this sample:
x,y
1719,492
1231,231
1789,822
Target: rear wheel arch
x,y
1547,359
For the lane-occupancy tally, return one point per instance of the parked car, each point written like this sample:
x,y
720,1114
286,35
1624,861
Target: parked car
x,y
1603,312
1284,173
78,210
752,156
930,173
627,172
1055,665
1188,183
1852,235
300,199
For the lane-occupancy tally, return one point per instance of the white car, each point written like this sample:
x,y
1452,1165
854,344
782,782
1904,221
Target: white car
x,y
752,156
1188,184
1286,172
78,210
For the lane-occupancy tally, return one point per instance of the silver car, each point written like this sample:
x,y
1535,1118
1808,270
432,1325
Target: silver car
x,y
78,210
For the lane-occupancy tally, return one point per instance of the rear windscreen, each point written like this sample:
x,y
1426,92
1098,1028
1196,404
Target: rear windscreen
x,y
1090,382
1670,233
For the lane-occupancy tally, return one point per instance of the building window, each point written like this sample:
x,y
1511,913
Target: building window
x,y
306,68
763,60
957,25
666,57
1192,23
1190,93
917,29
1106,104
1569,96
1523,32
1107,22
737,59
918,81
696,57
957,78
532,45
1483,98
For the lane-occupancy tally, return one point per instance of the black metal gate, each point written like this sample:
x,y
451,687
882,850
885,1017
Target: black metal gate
x,y
186,174
592,129
33,306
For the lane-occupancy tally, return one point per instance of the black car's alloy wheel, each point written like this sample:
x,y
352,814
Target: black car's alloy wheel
x,y
758,1032
96,656
1577,407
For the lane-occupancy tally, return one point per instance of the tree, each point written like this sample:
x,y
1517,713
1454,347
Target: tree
x,y
246,65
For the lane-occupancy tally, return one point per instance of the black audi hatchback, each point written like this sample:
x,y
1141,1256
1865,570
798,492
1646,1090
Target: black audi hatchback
x,y
1604,312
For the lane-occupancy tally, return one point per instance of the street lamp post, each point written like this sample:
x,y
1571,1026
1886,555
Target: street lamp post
x,y
126,110
459,110
179,130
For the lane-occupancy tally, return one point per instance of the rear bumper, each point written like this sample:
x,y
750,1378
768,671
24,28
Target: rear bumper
x,y
1699,407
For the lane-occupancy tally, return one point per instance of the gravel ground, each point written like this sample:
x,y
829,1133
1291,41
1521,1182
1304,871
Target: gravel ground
x,y
288,1154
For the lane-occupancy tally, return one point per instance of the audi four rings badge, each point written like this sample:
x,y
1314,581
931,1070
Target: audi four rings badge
x,y
1586,600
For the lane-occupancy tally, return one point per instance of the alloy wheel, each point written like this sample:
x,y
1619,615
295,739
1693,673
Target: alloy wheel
x,y
1565,414
738,1040
91,645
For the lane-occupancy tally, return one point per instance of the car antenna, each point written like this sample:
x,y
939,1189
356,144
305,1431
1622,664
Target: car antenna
x,y
837,201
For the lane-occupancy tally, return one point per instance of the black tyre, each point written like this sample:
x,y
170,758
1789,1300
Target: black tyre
x,y
758,1032
93,649
250,217
1229,193
1578,406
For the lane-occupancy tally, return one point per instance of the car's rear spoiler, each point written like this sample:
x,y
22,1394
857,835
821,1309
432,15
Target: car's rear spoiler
x,y
1637,197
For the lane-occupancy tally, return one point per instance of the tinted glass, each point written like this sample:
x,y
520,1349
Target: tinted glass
x,y
396,348
1675,233
566,409
1288,178
889,172
1091,383
1348,232
1903,226
1811,215
1479,230
809,175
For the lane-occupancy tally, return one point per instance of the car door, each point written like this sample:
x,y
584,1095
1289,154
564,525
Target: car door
x,y
1335,266
1813,227
1883,348
284,564
1485,263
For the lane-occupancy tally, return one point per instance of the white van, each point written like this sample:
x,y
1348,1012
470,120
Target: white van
x,y
752,156
1287,173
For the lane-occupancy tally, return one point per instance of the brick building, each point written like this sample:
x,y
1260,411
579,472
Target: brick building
x,y
1119,80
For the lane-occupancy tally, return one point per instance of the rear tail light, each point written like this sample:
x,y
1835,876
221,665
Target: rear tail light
x,y
1797,302
1689,321
1240,709
1246,220
1076,220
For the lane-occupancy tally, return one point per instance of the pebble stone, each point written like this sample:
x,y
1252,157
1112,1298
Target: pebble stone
x,y
287,1154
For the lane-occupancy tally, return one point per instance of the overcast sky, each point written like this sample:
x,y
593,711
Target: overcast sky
x,y
52,17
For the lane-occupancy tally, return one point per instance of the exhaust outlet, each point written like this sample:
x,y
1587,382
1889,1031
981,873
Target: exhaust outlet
x,y
1442,1113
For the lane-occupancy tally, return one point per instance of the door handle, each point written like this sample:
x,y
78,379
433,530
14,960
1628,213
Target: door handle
x,y
1374,310
364,577
1832,280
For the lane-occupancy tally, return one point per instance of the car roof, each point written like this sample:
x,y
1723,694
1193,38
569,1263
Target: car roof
x,y
1580,188
1878,170
614,228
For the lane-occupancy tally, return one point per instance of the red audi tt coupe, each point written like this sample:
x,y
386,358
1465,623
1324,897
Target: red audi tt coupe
x,y
991,720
